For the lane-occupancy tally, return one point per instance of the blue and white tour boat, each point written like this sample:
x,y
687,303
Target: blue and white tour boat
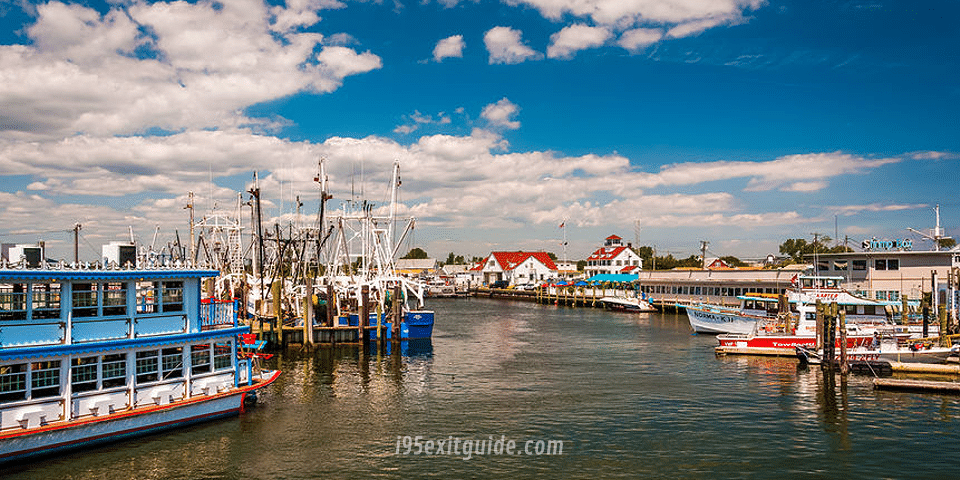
x,y
89,356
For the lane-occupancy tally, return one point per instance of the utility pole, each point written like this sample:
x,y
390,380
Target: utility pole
x,y
189,206
703,254
76,243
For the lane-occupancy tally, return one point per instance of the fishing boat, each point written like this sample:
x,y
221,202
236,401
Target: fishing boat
x,y
807,290
363,257
717,319
90,356
781,334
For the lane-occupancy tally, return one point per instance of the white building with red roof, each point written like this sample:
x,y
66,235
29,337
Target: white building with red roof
x,y
515,268
613,257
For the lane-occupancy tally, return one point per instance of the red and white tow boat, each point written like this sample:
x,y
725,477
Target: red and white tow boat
x,y
781,334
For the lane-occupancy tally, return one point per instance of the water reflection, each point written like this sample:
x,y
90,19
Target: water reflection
x,y
633,396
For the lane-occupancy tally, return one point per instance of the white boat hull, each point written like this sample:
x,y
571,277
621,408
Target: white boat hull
x,y
628,304
62,436
705,320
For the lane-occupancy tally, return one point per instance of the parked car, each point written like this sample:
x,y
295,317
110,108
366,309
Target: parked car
x,y
500,284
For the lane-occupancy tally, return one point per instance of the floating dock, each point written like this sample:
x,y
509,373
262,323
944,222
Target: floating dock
x,y
916,385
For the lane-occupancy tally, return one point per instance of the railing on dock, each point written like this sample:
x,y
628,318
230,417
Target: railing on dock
x,y
216,314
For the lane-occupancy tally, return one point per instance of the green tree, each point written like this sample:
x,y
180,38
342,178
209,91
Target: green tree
x,y
553,256
733,261
416,253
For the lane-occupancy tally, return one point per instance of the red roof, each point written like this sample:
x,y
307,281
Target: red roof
x,y
613,237
606,253
510,260
629,269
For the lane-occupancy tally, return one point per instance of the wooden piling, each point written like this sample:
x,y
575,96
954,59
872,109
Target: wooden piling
x,y
364,316
844,367
331,306
308,313
397,313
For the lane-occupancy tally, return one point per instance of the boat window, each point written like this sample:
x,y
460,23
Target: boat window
x,y
13,301
45,379
172,297
200,358
147,366
146,297
173,362
13,382
115,298
222,356
83,374
85,299
46,300
114,370
807,283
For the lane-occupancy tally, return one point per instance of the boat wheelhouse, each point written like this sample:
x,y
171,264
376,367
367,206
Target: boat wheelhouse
x,y
91,356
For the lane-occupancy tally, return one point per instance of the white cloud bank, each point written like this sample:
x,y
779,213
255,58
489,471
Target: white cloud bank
x,y
170,66
573,38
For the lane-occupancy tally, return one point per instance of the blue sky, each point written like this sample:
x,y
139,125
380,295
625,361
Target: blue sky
x,y
739,122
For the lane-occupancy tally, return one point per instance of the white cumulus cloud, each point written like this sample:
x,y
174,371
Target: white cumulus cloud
x,y
505,46
450,47
573,38
499,114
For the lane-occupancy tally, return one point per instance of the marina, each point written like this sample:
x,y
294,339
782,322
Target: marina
x,y
635,396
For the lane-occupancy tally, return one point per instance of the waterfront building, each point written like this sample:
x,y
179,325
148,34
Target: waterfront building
x,y
516,268
417,267
613,257
889,270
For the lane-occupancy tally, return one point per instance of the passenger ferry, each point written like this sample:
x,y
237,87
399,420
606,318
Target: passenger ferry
x,y
90,356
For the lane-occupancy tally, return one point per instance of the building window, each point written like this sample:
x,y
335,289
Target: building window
x,y
114,370
880,264
147,297
823,265
222,356
46,300
115,298
859,264
172,363
840,265
83,374
147,367
893,264
172,297
85,299
13,301
45,379
13,382
200,358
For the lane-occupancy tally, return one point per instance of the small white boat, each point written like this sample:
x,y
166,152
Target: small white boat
x,y
915,352
628,304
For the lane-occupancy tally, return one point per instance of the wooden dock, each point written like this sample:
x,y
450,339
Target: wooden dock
x,y
940,368
916,385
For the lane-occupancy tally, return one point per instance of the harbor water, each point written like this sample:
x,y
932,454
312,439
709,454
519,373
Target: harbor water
x,y
625,395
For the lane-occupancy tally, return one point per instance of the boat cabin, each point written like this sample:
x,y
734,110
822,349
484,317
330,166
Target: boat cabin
x,y
80,344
